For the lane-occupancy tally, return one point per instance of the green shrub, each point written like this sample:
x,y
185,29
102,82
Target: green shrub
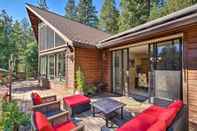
x,y
12,117
80,80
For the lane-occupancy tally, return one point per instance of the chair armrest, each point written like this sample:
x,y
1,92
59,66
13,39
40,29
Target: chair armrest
x,y
45,104
79,128
49,99
47,108
59,118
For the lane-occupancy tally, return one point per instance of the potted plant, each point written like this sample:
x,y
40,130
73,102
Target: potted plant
x,y
80,82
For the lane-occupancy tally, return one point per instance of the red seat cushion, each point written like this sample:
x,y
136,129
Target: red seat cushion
x,y
66,126
168,116
158,126
75,100
41,122
178,104
140,123
36,98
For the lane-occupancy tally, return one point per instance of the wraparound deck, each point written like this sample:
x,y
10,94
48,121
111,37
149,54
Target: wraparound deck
x,y
23,89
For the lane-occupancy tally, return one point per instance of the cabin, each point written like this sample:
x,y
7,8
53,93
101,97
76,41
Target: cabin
x,y
155,59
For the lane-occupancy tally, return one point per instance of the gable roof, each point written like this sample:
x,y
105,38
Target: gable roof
x,y
179,18
79,34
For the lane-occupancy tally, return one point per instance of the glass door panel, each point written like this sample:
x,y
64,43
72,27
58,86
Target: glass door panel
x,y
167,69
117,72
139,70
125,72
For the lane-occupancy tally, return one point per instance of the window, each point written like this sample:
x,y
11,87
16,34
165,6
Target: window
x,y
51,64
50,38
58,40
47,38
60,66
168,55
43,66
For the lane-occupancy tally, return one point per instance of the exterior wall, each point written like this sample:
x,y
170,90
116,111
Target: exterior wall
x,y
191,45
89,61
70,69
106,66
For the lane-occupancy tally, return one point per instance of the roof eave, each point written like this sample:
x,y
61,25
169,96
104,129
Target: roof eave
x,y
189,19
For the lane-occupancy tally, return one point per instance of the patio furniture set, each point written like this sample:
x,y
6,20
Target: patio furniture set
x,y
49,116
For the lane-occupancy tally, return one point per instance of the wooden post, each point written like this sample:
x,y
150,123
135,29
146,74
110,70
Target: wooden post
x,y
11,68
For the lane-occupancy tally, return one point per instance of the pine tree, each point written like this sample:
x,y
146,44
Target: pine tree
x,y
86,13
42,4
109,17
70,10
132,13
169,6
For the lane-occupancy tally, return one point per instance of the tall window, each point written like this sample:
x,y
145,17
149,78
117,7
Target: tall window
x,y
51,65
47,38
43,66
60,66
58,40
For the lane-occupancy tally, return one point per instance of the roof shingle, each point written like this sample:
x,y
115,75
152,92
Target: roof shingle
x,y
74,31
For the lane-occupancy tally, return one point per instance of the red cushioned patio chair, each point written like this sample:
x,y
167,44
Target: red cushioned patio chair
x,y
58,122
49,106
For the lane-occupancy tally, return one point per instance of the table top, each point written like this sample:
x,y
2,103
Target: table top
x,y
107,105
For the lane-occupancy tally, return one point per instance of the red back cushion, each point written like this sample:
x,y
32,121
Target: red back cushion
x,y
168,116
178,104
41,122
36,98
158,126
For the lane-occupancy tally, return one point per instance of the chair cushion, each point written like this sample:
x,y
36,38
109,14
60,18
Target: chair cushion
x,y
178,104
36,98
140,123
168,116
66,126
41,122
158,126
75,100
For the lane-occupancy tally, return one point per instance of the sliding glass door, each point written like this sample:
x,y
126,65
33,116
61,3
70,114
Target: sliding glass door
x,y
149,70
166,69
117,72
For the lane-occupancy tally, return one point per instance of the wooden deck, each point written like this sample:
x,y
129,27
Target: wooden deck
x,y
23,89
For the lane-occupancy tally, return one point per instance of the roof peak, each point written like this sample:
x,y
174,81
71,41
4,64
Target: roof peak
x,y
31,5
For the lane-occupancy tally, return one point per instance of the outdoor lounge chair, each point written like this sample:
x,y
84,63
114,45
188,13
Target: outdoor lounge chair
x,y
58,122
76,104
49,106
156,118
37,99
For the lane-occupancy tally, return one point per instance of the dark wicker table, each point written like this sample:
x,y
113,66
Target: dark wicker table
x,y
107,107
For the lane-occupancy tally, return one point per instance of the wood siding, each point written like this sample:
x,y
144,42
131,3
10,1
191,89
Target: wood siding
x,y
89,61
106,66
190,36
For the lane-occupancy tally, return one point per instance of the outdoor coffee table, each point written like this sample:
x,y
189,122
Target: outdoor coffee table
x,y
107,107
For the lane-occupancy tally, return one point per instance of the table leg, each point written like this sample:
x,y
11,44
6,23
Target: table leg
x,y
121,112
93,111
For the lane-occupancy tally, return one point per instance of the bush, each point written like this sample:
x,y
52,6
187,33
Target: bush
x,y
80,80
11,117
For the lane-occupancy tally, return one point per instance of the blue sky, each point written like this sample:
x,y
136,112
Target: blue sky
x,y
16,8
